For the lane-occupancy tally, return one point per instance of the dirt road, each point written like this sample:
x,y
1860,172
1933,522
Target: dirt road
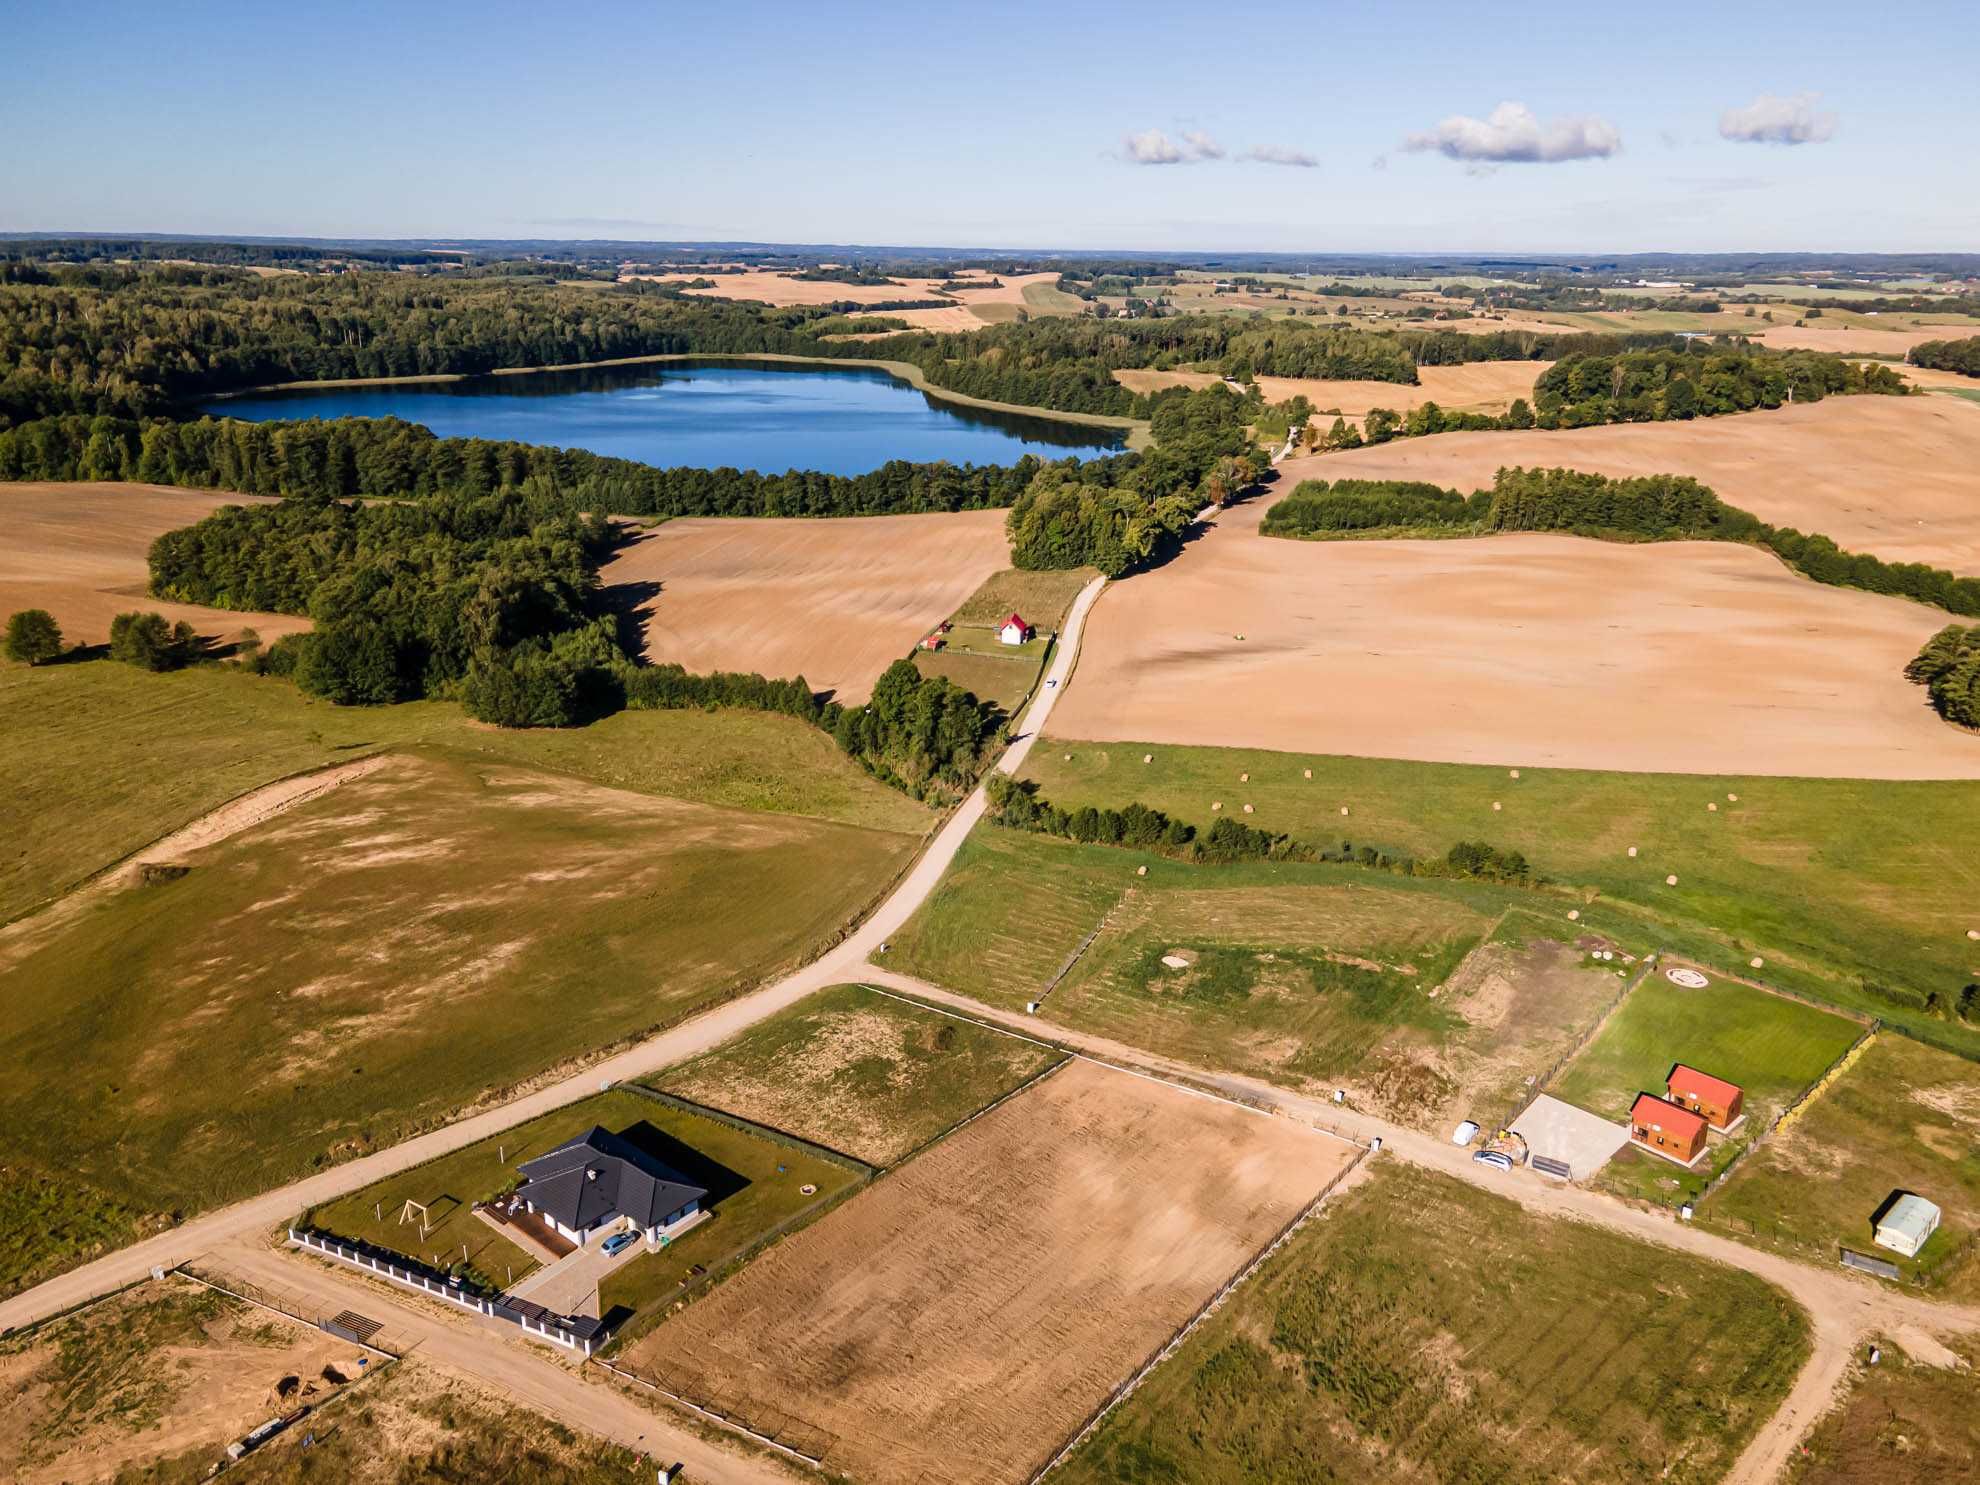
x,y
269,1210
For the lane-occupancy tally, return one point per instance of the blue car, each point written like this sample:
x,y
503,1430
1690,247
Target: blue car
x,y
618,1242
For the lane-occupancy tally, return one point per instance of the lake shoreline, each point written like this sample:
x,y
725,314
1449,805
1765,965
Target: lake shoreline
x,y
1136,429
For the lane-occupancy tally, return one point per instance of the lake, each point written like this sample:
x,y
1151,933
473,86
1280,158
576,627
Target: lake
x,y
745,414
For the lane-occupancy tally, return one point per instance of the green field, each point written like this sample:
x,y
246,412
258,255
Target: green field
x,y
101,759
1044,299
360,967
1315,976
1773,1048
1902,1422
1902,1117
1424,1330
859,1071
977,660
752,1182
1859,892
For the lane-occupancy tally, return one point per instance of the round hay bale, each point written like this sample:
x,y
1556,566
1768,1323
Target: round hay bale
x,y
1513,772
1244,778
1309,773
1495,804
1247,809
1632,853
1216,804
1757,962
1574,915
1344,809
1712,806
1147,757
1973,933
1141,871
1069,757
1732,799
1670,881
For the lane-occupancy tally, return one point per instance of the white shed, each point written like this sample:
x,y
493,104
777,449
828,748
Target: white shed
x,y
1906,1223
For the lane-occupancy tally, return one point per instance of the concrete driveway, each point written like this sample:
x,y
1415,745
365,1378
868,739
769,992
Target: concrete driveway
x,y
570,1285
1567,1133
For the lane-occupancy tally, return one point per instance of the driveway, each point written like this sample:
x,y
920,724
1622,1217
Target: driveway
x,y
1566,1133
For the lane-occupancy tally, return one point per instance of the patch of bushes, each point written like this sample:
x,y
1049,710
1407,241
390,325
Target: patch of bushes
x,y
1316,507
1949,670
147,641
1962,356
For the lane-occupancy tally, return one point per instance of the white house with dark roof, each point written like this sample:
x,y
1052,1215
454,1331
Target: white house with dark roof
x,y
597,1182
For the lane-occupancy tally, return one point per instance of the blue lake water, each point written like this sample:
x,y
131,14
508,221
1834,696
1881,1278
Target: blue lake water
x,y
746,415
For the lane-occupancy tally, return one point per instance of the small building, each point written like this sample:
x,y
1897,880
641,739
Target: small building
x,y
1015,631
1719,1101
1905,1223
933,642
591,1185
1658,1124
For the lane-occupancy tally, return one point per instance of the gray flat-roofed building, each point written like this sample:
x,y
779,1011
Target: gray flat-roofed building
x,y
1905,1223
600,1179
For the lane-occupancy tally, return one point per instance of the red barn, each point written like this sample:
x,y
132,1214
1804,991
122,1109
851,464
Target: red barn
x,y
1660,1125
1715,1098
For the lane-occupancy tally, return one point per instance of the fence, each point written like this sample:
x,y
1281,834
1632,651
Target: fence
x,y
1539,1084
1794,1111
811,1455
572,1332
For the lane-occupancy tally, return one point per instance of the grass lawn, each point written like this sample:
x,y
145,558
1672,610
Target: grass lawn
x,y
858,1071
1903,1117
1773,1048
986,670
356,969
101,759
1859,892
1047,300
1902,1422
1309,975
752,1182
1426,1330
1041,597
977,660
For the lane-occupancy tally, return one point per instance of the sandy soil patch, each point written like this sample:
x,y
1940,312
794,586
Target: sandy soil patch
x,y
775,288
171,1367
836,600
1683,657
80,551
1932,379
1482,386
1067,1234
1893,476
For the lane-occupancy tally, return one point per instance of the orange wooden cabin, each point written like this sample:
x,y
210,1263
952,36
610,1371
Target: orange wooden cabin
x,y
1667,1128
1716,1100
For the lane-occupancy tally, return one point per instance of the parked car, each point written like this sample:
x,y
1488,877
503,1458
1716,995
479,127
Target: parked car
x,y
1465,1133
1494,1159
618,1242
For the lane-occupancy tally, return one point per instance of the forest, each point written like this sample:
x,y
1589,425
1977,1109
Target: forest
x,y
1949,670
1962,356
1695,380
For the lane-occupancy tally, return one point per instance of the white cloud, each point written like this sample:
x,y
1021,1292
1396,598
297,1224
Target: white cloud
x,y
1279,154
1771,120
1513,134
1153,147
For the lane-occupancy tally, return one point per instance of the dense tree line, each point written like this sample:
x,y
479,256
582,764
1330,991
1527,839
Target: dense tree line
x,y
1962,356
1300,348
1315,507
1949,670
1016,805
1695,381
1657,507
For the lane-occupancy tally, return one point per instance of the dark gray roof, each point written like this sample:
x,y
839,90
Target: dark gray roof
x,y
600,1176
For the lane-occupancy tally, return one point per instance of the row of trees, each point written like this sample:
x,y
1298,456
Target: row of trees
x,y
1016,804
1949,670
1695,381
146,640
1962,356
1657,507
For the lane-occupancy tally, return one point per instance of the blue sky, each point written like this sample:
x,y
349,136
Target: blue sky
x,y
1004,125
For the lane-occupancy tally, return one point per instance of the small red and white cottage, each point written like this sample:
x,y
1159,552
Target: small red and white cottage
x,y
1015,630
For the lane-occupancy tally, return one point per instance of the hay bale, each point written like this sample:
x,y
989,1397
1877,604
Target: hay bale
x,y
1247,809
1309,773
1141,871
1732,799
1215,805
1574,915
1244,778
1713,807
1496,805
1973,933
1069,757
1632,853
1344,809
1670,881
1513,772
1757,962
1147,757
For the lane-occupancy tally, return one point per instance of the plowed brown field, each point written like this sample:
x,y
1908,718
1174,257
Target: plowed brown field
x,y
834,600
80,550
1680,657
1894,476
774,288
1066,1235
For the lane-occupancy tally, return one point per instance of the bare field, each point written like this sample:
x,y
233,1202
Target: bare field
x,y
1854,340
1680,657
1068,1234
835,600
1482,386
1888,475
775,288
80,551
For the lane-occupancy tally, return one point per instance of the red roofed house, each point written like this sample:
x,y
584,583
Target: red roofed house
x,y
1015,631
1657,1124
1715,1098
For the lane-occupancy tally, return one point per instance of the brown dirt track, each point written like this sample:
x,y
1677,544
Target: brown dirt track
x,y
835,600
80,551
1068,1234
1680,657
1894,476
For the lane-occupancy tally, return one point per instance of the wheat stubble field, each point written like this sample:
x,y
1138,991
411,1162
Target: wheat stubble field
x,y
1675,657
1067,1234
833,599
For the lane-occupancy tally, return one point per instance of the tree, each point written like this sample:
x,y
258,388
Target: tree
x,y
148,642
33,637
